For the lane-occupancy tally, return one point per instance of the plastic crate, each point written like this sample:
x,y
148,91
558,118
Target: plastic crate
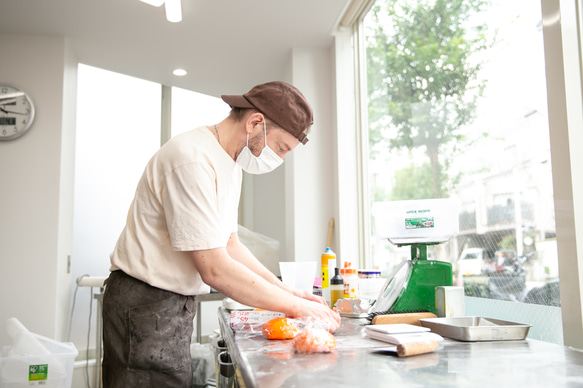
x,y
51,370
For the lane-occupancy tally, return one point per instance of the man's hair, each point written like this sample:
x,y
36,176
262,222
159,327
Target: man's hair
x,y
238,114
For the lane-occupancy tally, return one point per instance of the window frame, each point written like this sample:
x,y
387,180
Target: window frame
x,y
562,34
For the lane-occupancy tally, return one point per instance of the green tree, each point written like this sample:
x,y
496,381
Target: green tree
x,y
422,79
408,184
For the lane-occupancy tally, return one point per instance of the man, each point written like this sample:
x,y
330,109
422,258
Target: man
x,y
181,237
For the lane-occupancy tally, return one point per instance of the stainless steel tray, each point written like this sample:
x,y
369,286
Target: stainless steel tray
x,y
476,328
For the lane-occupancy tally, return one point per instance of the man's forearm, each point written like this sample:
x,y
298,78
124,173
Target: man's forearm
x,y
238,251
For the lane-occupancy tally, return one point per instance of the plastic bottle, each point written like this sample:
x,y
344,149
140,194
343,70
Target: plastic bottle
x,y
336,287
350,277
326,257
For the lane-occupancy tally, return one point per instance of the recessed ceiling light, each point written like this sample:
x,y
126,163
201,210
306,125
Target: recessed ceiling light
x,y
179,72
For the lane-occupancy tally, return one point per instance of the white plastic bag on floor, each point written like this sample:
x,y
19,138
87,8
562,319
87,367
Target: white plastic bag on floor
x,y
203,364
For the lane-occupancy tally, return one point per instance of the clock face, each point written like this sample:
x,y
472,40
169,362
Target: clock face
x,y
16,112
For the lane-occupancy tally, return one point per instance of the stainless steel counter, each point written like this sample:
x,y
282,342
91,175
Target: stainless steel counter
x,y
357,362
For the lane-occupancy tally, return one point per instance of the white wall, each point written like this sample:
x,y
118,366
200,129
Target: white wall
x,y
295,203
36,202
36,172
314,188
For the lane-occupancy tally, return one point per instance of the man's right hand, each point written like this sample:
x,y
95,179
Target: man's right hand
x,y
318,315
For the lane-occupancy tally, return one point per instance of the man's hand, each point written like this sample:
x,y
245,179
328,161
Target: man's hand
x,y
319,314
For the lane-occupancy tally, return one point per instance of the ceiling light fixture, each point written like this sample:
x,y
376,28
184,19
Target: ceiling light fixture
x,y
179,72
155,3
173,8
173,11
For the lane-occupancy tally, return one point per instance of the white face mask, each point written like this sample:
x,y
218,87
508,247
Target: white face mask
x,y
266,162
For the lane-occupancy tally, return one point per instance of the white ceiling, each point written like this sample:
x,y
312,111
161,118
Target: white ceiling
x,y
226,46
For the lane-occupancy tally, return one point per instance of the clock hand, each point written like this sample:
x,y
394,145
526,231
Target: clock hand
x,y
11,111
11,95
7,101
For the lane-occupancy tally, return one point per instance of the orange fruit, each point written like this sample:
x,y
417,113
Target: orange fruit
x,y
314,341
280,328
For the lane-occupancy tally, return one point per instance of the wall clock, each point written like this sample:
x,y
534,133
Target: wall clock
x,y
16,112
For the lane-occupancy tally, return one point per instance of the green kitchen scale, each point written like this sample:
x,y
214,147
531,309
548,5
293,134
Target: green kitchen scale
x,y
418,224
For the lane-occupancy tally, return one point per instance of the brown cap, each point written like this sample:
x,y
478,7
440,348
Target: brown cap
x,y
282,103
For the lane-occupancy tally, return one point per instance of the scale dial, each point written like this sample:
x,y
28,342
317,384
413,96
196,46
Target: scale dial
x,y
16,112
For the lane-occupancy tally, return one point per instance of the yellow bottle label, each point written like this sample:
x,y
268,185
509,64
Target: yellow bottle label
x,y
335,295
325,272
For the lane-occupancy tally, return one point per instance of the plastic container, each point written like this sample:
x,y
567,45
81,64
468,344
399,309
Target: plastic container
x,y
327,256
369,283
350,277
450,301
336,287
52,370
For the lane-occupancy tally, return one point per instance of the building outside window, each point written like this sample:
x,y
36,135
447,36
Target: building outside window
x,y
456,107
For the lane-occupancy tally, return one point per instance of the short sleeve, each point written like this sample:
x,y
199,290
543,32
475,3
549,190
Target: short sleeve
x,y
191,208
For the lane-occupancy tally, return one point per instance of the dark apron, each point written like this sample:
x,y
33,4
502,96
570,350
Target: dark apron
x,y
146,335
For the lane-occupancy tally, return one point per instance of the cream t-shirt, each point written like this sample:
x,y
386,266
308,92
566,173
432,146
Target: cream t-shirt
x,y
186,199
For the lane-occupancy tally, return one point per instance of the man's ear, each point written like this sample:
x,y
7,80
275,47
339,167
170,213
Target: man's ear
x,y
253,120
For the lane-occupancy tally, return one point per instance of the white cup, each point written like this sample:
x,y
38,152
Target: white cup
x,y
298,274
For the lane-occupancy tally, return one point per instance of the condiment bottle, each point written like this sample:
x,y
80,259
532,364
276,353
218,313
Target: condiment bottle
x,y
336,287
326,257
350,277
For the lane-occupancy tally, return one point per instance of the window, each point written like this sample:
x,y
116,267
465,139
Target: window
x,y
191,110
118,131
456,108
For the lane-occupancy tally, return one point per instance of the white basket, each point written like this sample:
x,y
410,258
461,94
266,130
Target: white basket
x,y
52,370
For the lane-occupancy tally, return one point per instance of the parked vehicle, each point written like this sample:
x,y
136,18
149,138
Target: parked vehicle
x,y
472,261
502,261
547,294
508,276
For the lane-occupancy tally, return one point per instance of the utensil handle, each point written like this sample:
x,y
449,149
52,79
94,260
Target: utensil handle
x,y
330,231
410,318
414,348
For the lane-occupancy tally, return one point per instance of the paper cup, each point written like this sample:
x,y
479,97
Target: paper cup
x,y
298,274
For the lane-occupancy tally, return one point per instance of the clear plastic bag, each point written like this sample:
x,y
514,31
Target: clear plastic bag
x,y
203,364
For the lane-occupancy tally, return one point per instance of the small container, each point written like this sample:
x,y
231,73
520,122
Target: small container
x,y
336,287
369,273
450,302
369,283
350,277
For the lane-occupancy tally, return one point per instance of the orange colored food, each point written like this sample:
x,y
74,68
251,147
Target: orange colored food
x,y
314,341
280,329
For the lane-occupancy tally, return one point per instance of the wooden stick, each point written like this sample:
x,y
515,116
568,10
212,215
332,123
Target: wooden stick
x,y
410,318
414,348
330,230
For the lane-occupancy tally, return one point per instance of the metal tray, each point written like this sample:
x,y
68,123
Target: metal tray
x,y
476,328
